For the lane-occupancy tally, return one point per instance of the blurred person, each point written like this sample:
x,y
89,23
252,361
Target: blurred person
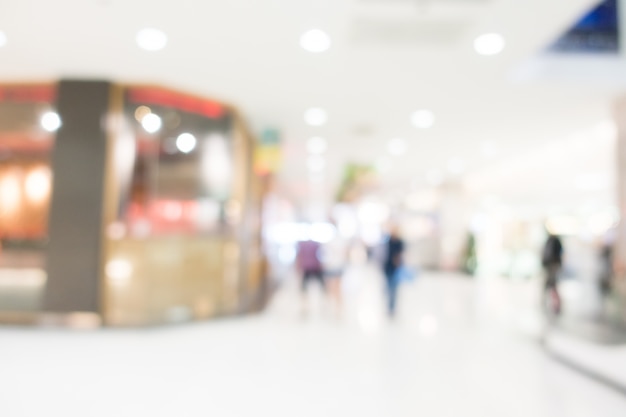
x,y
310,266
606,269
393,261
552,260
335,260
470,262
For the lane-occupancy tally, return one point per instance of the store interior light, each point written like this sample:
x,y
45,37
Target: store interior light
x,y
489,44
151,123
37,184
316,116
315,41
10,192
151,39
51,121
3,39
423,119
119,271
186,142
141,112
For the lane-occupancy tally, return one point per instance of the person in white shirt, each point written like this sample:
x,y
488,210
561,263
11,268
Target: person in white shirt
x,y
335,260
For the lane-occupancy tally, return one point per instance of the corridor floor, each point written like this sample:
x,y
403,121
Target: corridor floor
x,y
458,347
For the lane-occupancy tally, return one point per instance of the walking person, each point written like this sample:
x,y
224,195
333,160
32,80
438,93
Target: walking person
x,y
552,260
606,270
393,261
310,267
335,261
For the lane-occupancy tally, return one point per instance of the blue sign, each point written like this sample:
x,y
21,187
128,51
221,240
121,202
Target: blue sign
x,y
596,32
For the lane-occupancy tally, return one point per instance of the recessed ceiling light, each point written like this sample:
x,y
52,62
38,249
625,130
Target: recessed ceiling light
x,y
3,39
315,41
316,145
316,116
186,142
151,123
489,44
151,39
423,119
397,146
51,121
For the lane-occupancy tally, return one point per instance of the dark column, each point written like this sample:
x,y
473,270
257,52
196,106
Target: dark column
x,y
77,207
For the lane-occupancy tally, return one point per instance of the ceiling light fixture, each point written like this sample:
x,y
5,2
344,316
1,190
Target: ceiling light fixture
x,y
423,119
316,116
151,123
186,142
316,145
489,44
151,39
315,41
3,39
51,121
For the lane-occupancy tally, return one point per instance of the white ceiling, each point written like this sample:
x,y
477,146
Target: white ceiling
x,y
388,59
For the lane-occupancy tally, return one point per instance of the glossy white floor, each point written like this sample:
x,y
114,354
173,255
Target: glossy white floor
x,y
458,348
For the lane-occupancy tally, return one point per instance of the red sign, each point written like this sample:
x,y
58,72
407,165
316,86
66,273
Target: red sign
x,y
28,93
168,98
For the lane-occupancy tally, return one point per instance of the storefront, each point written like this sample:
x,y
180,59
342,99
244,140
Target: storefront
x,y
125,205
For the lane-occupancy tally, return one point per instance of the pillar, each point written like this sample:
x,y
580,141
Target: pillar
x,y
77,208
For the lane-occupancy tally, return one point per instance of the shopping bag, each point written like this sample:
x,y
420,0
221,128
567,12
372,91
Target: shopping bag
x,y
404,274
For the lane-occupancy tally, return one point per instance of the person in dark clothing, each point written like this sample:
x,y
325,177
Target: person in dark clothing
x,y
310,267
309,264
606,269
393,260
552,260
